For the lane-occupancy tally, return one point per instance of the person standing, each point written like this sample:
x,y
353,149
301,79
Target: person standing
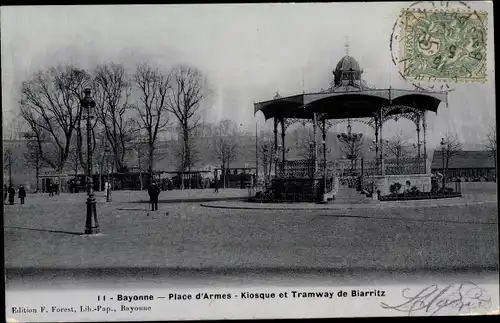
x,y
49,189
5,192
216,182
22,194
106,190
12,194
154,192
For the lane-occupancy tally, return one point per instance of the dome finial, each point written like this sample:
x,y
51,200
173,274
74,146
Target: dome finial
x,y
346,45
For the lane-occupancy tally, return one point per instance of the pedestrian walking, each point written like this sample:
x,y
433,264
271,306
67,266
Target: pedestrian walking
x,y
50,189
22,194
154,192
216,183
12,194
5,192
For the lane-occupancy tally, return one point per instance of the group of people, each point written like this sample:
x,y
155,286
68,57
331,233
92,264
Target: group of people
x,y
11,193
53,189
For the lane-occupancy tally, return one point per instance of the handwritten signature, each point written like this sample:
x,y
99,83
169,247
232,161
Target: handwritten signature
x,y
433,299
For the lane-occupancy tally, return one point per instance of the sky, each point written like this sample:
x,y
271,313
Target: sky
x,y
246,52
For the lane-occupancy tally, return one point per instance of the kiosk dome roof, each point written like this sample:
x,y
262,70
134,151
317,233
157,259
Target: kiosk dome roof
x,y
347,63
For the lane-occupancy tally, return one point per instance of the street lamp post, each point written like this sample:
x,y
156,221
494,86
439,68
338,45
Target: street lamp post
x,y
91,223
324,170
352,140
443,144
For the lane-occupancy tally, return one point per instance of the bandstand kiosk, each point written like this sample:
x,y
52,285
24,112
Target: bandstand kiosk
x,y
348,99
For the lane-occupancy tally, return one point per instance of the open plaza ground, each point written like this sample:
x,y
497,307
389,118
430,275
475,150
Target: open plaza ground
x,y
46,232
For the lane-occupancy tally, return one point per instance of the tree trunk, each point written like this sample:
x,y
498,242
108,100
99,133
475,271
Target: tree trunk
x,y
101,168
37,173
494,153
186,156
60,180
223,175
151,161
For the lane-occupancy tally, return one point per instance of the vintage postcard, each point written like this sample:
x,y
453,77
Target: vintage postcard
x,y
239,161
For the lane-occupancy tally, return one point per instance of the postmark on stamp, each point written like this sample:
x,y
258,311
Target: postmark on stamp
x,y
446,45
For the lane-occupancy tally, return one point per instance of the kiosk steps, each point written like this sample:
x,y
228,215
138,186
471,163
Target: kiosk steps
x,y
347,195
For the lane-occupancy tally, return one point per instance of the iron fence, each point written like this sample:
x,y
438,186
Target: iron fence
x,y
404,166
295,169
401,166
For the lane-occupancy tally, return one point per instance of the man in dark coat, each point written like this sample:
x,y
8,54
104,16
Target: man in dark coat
x,y
12,194
50,189
154,192
22,194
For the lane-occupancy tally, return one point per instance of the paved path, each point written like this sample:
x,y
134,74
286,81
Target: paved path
x,y
46,233
174,196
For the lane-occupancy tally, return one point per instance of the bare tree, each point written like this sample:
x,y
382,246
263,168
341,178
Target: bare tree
x,y
267,155
452,147
304,144
50,103
152,110
206,129
15,128
183,161
99,156
184,102
139,147
13,132
74,161
397,146
226,142
112,90
33,156
9,159
352,147
491,144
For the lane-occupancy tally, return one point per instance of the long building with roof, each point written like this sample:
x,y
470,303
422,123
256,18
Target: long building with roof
x,y
466,166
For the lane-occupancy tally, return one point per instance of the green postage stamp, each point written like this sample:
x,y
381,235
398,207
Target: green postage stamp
x,y
443,45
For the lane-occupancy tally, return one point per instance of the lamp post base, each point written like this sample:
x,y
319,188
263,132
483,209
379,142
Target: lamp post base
x,y
91,224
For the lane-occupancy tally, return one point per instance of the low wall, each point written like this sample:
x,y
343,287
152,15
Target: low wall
x,y
306,189
421,181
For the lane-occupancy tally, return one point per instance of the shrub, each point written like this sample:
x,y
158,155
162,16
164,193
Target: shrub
x,y
394,188
372,188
